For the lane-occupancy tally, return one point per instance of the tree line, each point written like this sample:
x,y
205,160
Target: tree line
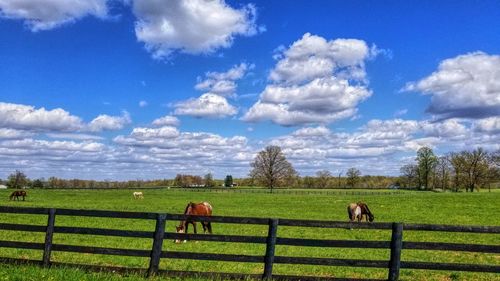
x,y
468,170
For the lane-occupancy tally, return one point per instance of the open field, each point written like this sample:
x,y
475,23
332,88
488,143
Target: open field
x,y
409,207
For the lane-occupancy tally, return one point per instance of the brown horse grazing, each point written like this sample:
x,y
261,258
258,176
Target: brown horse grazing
x,y
358,210
195,209
15,195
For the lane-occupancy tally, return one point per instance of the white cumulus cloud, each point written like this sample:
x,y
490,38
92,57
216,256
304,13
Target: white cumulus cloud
x,y
314,81
223,83
48,14
26,117
190,26
207,105
465,86
105,122
167,120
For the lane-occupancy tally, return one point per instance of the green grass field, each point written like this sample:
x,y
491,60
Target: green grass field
x,y
410,207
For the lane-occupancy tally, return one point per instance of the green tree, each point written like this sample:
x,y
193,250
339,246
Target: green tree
x,y
353,175
426,163
228,181
37,183
271,168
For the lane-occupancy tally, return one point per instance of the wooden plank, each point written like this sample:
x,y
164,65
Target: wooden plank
x,y
332,262
48,237
21,245
335,224
219,219
22,227
494,249
450,266
270,248
100,250
333,243
103,231
452,228
209,275
154,261
318,278
106,214
396,246
211,256
216,238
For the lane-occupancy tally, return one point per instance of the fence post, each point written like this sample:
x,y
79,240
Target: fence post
x,y
396,246
270,246
49,233
159,234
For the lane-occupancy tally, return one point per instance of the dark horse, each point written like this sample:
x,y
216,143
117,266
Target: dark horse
x,y
15,195
358,210
195,209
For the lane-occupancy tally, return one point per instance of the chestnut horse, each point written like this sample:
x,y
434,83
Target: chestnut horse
x,y
358,210
15,195
195,209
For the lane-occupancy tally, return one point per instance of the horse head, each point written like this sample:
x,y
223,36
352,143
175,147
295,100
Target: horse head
x,y
180,229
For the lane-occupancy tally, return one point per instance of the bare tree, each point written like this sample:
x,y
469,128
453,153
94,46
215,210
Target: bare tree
x,y
353,176
17,180
476,168
410,174
324,177
442,172
271,168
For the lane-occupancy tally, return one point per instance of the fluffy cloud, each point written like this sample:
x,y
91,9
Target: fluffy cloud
x,y
314,81
166,121
105,122
148,133
25,117
190,26
143,103
465,86
14,134
223,83
48,14
207,105
30,119
488,125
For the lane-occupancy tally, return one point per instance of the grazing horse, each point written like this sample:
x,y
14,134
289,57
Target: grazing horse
x,y
195,209
15,195
138,195
358,210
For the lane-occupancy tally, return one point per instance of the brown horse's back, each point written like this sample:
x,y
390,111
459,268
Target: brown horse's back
x,y
199,209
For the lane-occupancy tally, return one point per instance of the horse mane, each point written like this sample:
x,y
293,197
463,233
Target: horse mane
x,y
367,210
189,205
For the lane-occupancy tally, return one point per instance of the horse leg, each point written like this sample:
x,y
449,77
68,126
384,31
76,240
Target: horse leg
x,y
204,227
194,227
23,197
209,226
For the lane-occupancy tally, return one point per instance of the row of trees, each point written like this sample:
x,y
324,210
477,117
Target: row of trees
x,y
469,170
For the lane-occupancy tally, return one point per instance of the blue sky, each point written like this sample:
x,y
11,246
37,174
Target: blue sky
x,y
337,84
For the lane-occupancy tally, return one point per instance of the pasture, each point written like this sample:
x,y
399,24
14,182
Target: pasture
x,y
409,207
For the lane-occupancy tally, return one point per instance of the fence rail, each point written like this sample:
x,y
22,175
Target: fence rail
x,y
268,259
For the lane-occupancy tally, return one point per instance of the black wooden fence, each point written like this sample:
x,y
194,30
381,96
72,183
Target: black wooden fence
x,y
394,264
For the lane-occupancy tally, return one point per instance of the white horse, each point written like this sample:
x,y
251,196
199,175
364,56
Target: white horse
x,y
138,195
